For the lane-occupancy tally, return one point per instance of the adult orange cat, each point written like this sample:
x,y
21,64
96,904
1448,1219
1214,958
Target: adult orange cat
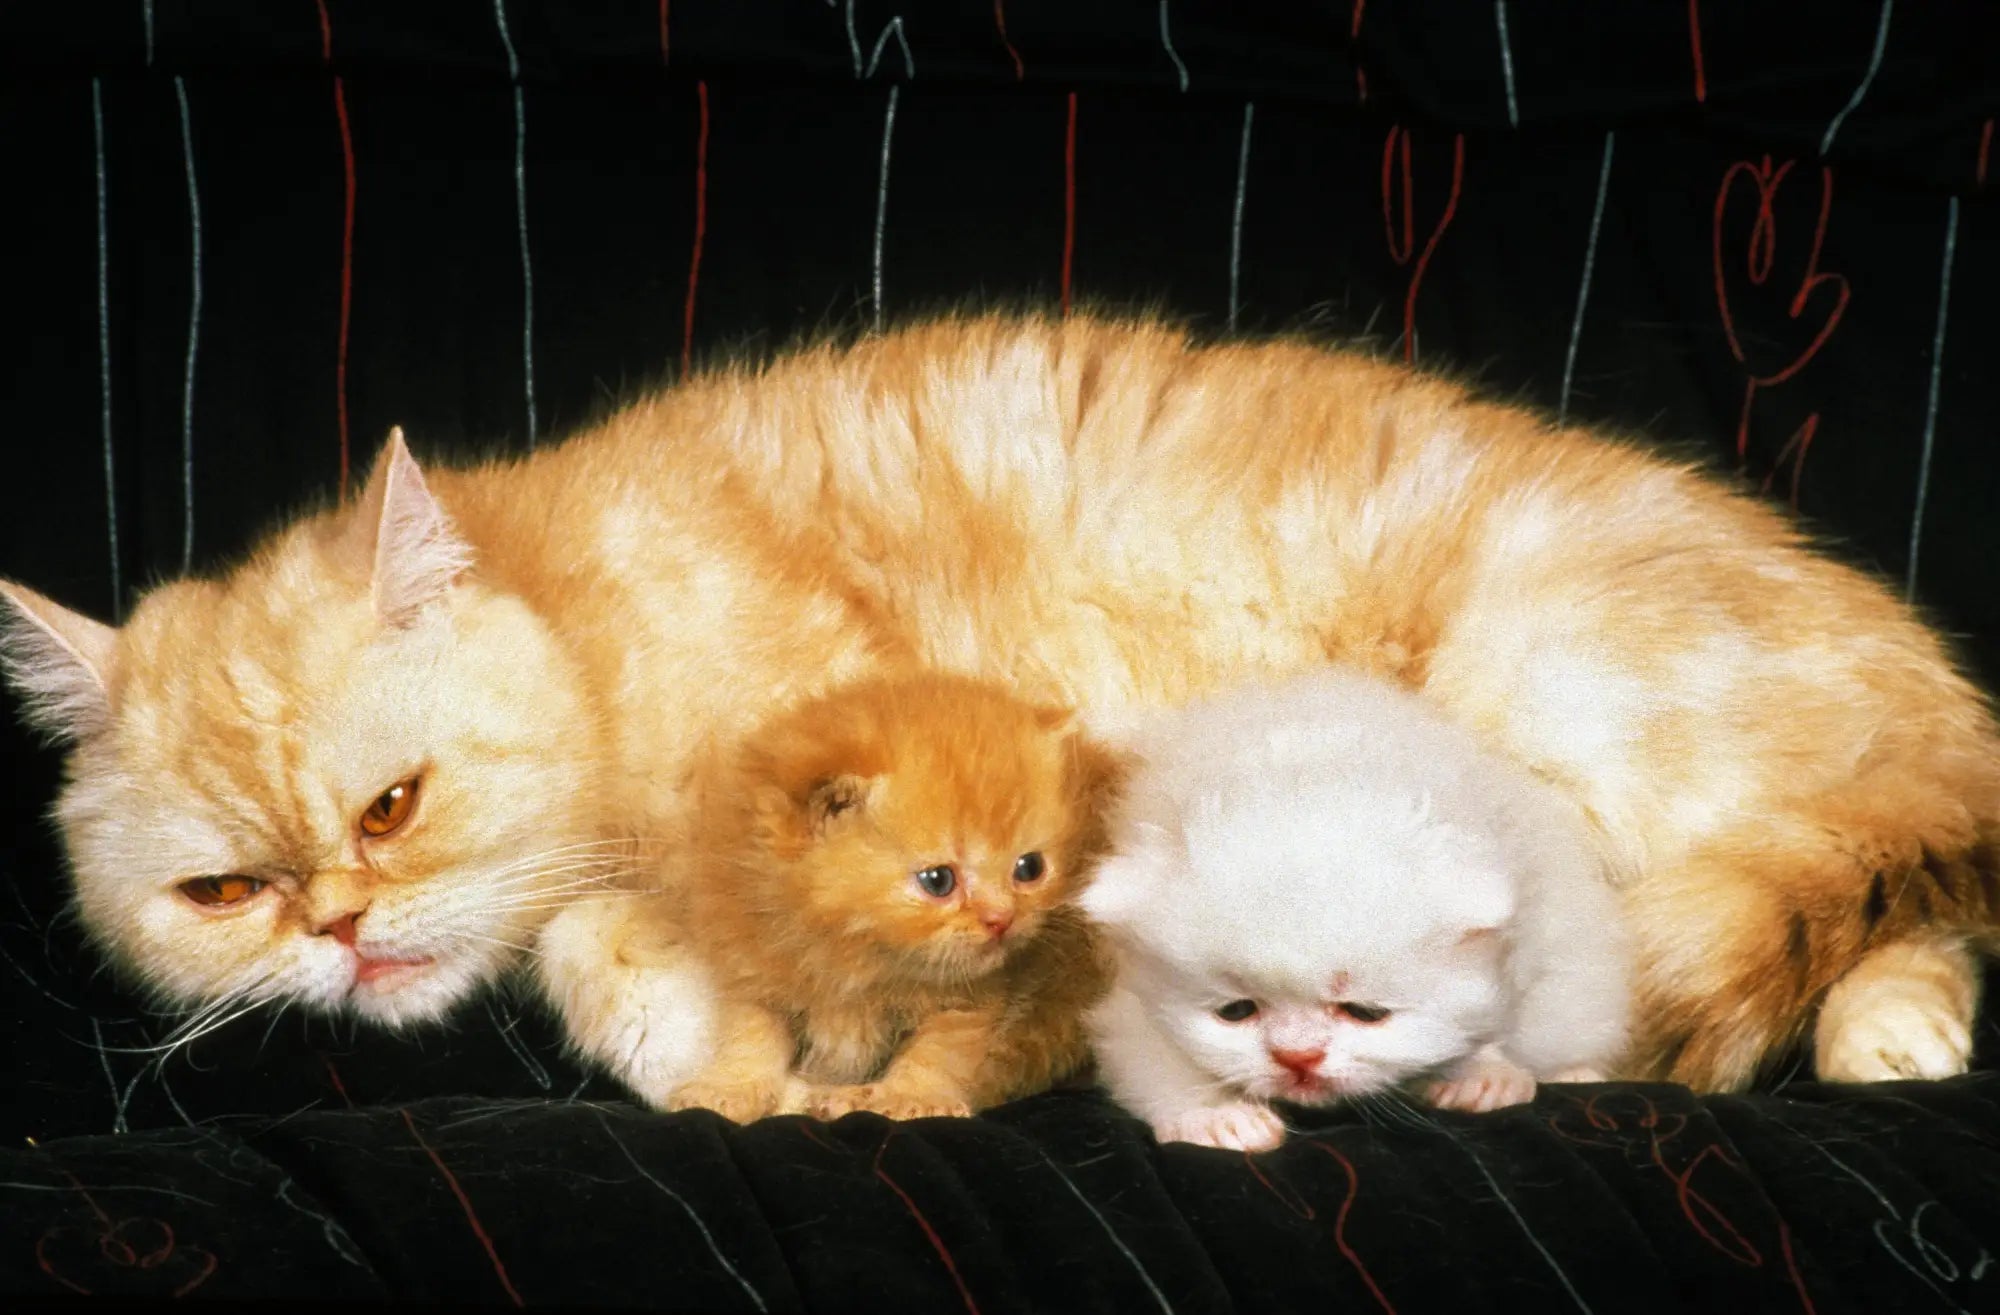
x,y
355,768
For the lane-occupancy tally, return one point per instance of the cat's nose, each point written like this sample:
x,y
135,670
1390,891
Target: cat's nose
x,y
341,928
1301,1062
996,921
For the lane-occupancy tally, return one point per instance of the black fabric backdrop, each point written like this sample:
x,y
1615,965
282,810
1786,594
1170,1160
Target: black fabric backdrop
x,y
251,237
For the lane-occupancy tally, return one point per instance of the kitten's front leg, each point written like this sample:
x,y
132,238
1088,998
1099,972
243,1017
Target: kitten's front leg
x,y
1151,1076
928,1077
1484,1080
749,1075
632,998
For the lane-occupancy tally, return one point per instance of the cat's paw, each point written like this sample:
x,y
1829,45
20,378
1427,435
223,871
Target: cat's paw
x,y
1579,1074
1486,1082
1904,1011
1900,1030
740,1102
890,1101
1243,1126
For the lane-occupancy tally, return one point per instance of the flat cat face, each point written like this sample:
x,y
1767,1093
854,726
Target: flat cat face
x,y
932,819
1309,946
342,777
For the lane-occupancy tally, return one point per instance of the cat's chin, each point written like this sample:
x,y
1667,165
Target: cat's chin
x,y
403,993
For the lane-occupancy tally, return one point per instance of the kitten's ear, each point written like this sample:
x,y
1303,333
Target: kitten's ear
x,y
414,555
1121,888
1055,720
834,798
1482,903
59,662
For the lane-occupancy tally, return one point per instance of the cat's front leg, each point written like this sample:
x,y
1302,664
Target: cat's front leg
x,y
1484,1080
632,998
749,1076
1154,1078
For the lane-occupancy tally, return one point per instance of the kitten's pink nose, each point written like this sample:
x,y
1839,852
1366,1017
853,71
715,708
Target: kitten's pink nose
x,y
1301,1062
996,921
341,929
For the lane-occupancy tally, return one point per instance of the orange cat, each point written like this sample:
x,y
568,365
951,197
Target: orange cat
x,y
880,883
521,664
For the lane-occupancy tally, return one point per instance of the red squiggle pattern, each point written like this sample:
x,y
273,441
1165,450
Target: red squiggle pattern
x,y
1069,203
1985,145
111,1244
339,1086
1354,38
1340,1224
1000,25
700,228
664,5
1395,153
346,239
465,1203
937,1243
1708,1220
1758,256
1694,44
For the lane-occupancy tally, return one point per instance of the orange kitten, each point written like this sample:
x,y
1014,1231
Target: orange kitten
x,y
881,883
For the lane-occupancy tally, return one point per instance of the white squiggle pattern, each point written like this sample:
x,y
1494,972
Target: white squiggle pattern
x,y
1236,219
1583,286
756,1297
194,330
1507,62
104,343
1167,40
1867,78
882,202
1931,402
521,216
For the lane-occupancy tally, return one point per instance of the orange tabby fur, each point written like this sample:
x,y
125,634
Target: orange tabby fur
x,y
1801,795
801,900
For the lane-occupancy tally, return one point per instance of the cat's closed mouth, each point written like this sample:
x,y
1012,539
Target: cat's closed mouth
x,y
382,973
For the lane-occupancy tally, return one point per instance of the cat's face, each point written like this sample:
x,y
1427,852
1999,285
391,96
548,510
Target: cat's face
x,y
1311,951
306,783
931,818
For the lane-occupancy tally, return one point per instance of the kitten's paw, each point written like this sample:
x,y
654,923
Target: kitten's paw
x,y
892,1102
1483,1083
740,1102
1577,1073
1243,1126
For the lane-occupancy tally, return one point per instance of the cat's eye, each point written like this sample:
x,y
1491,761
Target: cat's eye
x,y
937,882
212,891
390,809
1361,1013
1029,867
1236,1011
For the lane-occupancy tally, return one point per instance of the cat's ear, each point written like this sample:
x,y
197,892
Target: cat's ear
x,y
414,555
58,661
835,798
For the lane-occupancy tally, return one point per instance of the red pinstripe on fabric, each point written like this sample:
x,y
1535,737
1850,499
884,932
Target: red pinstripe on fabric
x,y
700,228
346,240
1069,203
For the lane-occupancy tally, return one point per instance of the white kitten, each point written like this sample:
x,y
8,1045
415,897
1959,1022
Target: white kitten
x,y
1326,889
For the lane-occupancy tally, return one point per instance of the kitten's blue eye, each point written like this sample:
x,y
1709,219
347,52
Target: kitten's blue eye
x,y
1237,1010
1361,1013
1029,867
938,882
